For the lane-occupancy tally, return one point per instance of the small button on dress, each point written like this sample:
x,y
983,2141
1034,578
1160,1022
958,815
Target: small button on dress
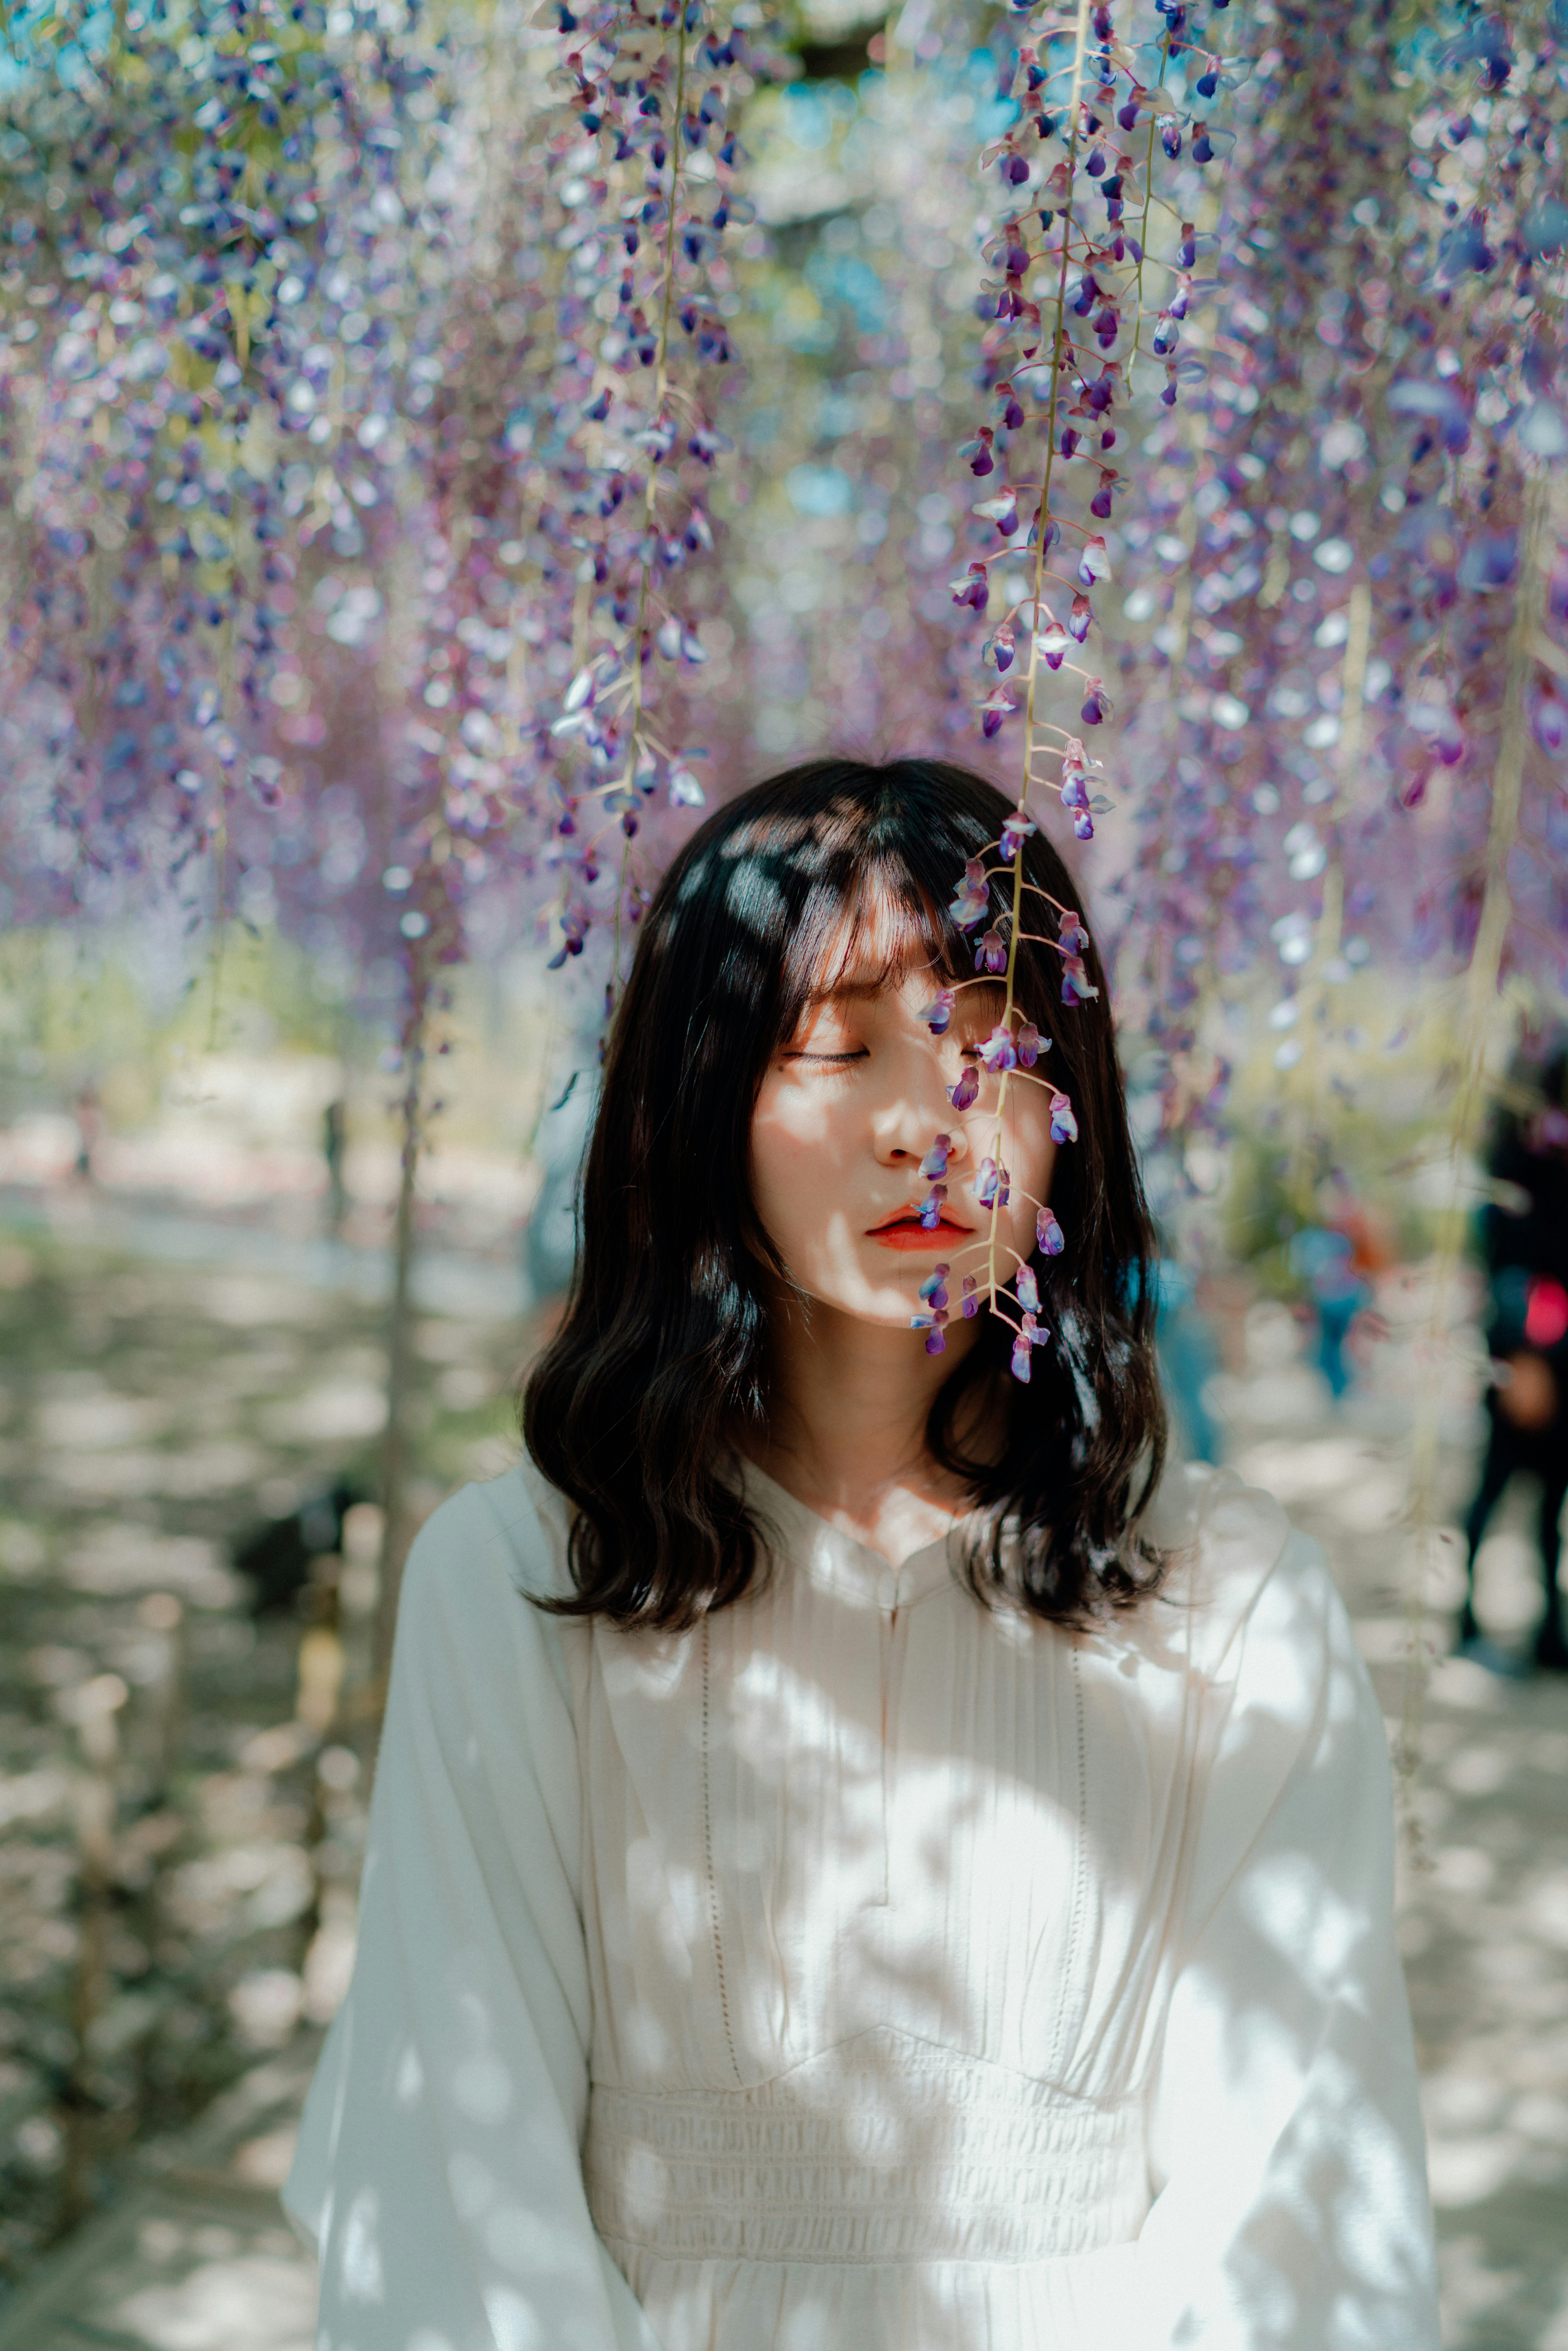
x,y
866,1969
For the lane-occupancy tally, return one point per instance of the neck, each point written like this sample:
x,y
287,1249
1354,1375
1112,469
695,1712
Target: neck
x,y
850,1400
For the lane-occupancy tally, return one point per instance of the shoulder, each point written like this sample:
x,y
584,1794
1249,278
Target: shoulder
x,y
1241,1580
506,1533
478,1564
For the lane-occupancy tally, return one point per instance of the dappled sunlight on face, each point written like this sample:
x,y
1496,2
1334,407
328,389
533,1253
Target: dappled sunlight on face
x,y
849,1108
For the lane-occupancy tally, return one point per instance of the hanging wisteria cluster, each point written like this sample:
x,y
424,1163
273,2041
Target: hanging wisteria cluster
x,y
1094,272
357,420
1358,546
208,357
362,384
651,184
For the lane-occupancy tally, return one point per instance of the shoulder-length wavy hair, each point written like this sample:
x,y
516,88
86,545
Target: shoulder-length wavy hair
x,y
640,1408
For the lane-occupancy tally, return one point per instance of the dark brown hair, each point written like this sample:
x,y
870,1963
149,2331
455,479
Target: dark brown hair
x,y
643,1402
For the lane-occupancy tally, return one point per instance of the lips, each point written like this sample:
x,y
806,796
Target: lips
x,y
903,1230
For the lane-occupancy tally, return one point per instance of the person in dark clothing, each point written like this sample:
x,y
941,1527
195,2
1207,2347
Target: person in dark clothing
x,y
1524,1235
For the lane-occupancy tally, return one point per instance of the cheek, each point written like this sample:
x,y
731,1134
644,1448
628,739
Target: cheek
x,y
798,1150
1028,1150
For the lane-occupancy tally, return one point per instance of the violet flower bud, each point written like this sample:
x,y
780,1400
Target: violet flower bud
x,y
1027,1291
935,1164
998,1053
967,1091
1063,1125
973,588
1002,510
939,1011
991,955
1551,721
996,706
971,1301
1016,831
985,1182
1030,1044
1053,1240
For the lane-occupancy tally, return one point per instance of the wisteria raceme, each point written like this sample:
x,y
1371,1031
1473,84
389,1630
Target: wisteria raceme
x,y
203,365
651,177
1088,301
1366,572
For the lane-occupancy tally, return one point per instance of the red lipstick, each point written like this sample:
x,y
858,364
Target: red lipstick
x,y
906,1231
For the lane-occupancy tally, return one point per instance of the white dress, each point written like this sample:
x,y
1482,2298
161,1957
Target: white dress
x,y
869,1973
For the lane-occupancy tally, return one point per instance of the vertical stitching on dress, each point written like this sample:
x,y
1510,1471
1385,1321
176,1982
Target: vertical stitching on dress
x,y
708,1861
1080,1871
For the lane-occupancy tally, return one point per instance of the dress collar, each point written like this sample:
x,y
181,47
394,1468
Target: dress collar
x,y
837,1562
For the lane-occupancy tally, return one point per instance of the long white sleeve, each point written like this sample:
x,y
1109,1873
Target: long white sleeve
x,y
439,2168
1285,2136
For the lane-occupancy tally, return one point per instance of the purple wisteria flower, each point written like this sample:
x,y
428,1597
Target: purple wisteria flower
x,y
1016,831
1033,1334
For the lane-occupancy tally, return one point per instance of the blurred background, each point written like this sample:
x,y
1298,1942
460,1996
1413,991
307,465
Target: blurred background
x,y
299,1009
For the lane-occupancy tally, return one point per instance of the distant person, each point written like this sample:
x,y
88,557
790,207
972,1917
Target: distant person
x,y
1324,1259
89,1132
1524,1237
334,1147
1189,1358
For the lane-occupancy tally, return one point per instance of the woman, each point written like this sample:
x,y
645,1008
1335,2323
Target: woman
x,y
851,1870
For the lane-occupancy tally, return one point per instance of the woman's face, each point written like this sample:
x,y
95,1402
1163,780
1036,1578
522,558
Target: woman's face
x,y
849,1108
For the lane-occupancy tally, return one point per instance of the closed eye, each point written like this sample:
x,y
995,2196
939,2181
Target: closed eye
x,y
831,1060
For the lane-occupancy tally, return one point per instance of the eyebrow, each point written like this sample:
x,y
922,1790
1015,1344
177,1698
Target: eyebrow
x,y
849,991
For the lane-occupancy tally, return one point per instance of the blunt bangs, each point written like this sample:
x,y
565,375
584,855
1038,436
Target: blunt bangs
x,y
837,873
850,896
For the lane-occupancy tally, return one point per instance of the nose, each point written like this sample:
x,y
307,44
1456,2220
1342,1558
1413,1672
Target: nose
x,y
904,1130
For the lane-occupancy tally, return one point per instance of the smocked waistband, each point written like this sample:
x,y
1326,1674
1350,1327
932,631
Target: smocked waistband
x,y
921,2157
